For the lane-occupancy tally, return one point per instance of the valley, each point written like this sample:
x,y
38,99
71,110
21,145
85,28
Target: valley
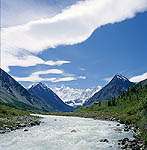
x,y
119,101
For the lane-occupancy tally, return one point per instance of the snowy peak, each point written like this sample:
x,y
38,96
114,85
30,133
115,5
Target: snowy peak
x,y
40,86
120,77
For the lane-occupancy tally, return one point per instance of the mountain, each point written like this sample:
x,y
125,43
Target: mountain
x,y
74,97
43,92
114,88
15,95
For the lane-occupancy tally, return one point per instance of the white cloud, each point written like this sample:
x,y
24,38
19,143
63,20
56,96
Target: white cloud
x,y
74,25
35,77
26,60
58,63
139,77
82,77
64,79
50,71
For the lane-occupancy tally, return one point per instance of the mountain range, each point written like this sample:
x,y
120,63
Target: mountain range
x,y
40,97
114,88
74,97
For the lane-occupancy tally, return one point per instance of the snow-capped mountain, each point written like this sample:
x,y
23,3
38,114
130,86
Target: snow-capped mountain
x,y
75,97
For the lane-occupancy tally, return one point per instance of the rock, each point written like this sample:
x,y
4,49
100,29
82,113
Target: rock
x,y
104,140
124,141
118,125
118,129
25,130
132,140
73,131
119,140
133,128
126,129
2,131
21,125
34,122
124,147
7,130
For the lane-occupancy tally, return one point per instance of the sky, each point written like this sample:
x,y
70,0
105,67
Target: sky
x,y
78,43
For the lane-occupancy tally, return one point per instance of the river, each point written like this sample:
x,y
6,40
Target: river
x,y
65,133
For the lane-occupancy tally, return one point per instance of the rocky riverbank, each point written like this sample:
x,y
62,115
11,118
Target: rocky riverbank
x,y
17,122
134,143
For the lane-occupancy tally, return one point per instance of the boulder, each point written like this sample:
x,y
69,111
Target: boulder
x,y
25,130
104,140
73,131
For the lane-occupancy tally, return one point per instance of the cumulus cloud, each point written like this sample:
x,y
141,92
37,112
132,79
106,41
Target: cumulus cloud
x,y
35,77
139,77
74,25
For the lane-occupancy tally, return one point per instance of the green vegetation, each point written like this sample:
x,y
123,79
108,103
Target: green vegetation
x,y
6,112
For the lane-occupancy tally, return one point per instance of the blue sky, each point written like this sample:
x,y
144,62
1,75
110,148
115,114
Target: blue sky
x,y
74,45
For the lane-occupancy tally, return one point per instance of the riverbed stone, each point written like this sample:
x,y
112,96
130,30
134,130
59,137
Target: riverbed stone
x,y
2,131
73,131
104,140
118,129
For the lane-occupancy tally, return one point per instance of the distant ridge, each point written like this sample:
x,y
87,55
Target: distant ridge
x,y
114,88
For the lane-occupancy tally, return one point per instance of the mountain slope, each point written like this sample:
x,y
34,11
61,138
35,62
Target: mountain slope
x,y
114,88
49,97
74,97
15,95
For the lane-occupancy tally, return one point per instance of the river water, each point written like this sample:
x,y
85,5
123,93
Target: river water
x,y
56,133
